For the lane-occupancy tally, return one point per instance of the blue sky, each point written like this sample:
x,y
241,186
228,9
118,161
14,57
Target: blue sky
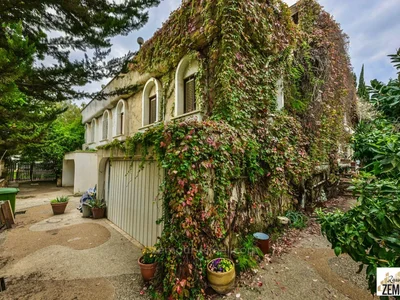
x,y
372,25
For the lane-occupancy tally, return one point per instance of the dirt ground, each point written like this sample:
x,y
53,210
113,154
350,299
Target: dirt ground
x,y
307,269
68,257
65,256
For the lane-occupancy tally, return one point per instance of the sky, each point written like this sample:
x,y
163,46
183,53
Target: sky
x,y
372,25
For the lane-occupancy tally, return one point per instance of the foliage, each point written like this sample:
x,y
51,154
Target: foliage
x,y
65,134
148,255
370,231
386,97
377,145
362,88
57,29
297,219
246,253
22,119
97,203
220,265
243,48
61,199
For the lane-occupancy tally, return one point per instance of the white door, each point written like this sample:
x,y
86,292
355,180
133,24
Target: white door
x,y
132,199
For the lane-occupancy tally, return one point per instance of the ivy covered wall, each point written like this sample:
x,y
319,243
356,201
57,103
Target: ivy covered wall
x,y
246,162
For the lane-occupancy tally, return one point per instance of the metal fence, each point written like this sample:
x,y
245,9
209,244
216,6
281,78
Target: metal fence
x,y
18,171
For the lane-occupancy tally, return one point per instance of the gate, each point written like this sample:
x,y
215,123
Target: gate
x,y
18,171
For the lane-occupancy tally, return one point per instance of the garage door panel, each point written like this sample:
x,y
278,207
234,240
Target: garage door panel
x,y
131,198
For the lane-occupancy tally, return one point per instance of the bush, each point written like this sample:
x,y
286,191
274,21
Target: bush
x,y
370,232
246,254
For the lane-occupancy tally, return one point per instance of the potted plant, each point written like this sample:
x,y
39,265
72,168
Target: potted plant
x,y
59,204
147,263
221,275
98,208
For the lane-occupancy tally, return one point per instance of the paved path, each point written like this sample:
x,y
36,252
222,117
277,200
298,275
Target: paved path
x,y
65,256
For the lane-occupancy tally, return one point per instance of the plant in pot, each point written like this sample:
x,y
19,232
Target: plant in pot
x,y
59,204
221,275
147,263
98,208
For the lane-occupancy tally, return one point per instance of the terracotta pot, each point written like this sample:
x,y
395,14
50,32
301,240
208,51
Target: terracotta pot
x,y
221,282
98,213
147,270
59,208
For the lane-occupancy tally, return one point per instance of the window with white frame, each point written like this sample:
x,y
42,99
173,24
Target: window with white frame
x,y
106,122
185,86
121,117
152,94
93,131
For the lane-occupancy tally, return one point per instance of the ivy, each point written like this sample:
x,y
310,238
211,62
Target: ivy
x,y
243,49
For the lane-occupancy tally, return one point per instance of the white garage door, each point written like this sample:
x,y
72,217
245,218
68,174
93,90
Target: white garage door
x,y
132,199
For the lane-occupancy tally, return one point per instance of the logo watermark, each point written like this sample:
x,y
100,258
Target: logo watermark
x,y
388,281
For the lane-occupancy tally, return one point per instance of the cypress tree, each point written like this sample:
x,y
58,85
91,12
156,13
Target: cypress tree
x,y
362,89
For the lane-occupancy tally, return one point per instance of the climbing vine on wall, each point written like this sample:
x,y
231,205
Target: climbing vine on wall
x,y
243,49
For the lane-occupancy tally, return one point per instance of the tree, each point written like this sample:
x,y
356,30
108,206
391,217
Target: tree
x,y
370,231
362,89
58,29
64,135
22,118
40,43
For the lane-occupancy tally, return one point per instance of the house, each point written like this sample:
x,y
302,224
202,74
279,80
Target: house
x,y
250,70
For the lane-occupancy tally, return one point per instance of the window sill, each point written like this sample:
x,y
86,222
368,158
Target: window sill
x,y
195,113
120,137
145,127
104,140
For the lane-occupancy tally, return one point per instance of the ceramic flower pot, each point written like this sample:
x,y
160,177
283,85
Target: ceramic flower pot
x,y
98,213
221,282
59,208
147,270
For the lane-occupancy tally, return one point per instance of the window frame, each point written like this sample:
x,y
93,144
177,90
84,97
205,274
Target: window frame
x,y
152,98
187,67
106,118
185,82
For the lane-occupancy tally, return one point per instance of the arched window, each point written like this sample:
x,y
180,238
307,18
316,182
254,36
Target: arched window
x,y
93,131
280,97
152,94
106,122
121,117
87,133
185,86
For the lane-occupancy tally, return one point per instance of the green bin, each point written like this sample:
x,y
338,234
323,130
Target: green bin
x,y
9,194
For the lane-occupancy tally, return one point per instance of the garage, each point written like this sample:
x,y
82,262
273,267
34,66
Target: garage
x,y
132,198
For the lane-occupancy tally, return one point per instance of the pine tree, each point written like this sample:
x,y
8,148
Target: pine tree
x,y
362,89
60,30
40,41
23,119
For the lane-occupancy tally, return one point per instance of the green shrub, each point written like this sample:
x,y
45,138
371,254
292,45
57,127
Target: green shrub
x,y
369,232
246,254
